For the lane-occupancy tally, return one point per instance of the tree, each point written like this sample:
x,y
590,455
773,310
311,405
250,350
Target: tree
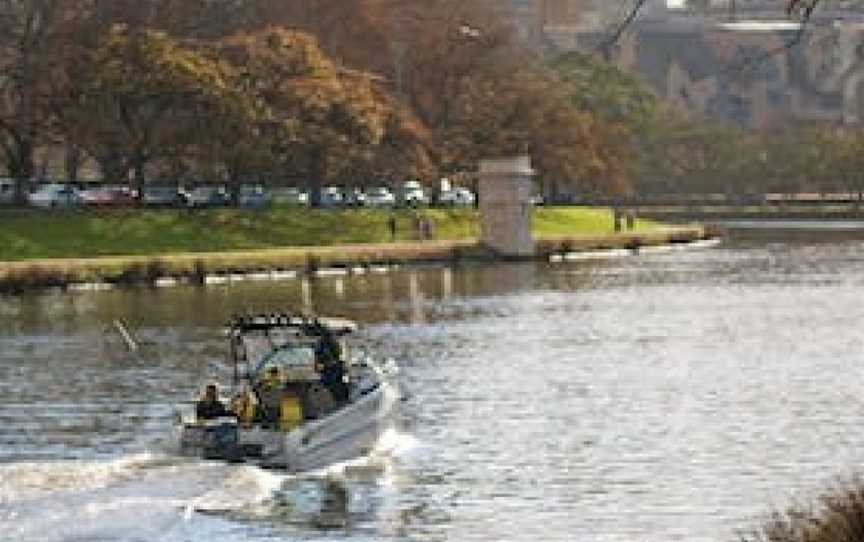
x,y
603,89
317,114
140,97
32,33
696,157
529,113
625,110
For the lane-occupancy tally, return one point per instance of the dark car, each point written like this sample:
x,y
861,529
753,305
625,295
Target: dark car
x,y
254,197
162,196
208,196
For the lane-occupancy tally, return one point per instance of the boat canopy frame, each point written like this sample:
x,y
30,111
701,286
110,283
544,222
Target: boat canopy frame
x,y
323,333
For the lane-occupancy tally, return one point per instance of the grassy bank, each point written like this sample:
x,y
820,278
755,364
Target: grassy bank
x,y
43,249
36,235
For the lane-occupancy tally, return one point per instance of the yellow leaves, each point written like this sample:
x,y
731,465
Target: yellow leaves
x,y
316,103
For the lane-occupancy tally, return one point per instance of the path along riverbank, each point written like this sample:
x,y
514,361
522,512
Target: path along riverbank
x,y
127,247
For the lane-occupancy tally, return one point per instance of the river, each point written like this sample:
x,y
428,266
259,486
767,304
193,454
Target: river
x,y
671,395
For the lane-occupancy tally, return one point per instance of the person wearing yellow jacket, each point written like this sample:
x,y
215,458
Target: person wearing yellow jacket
x,y
244,406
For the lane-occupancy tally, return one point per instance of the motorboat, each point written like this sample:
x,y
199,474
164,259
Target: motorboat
x,y
301,398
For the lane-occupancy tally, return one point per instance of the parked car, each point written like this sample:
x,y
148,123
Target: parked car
x,y
7,191
55,196
254,197
290,195
332,196
162,196
355,198
457,197
208,196
380,196
107,196
413,195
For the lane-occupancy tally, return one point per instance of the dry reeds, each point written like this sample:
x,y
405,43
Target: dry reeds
x,y
837,515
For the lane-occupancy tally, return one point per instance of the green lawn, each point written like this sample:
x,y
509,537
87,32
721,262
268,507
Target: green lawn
x,y
28,235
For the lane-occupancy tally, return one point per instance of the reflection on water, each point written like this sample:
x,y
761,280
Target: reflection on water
x,y
665,396
400,295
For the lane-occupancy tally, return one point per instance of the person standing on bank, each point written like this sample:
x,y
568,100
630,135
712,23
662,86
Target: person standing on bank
x,y
391,225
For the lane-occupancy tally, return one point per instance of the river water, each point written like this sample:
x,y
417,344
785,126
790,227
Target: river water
x,y
672,395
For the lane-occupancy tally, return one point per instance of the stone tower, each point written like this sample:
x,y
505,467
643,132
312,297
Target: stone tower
x,y
505,206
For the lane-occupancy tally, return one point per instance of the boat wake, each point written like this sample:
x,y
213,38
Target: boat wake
x,y
136,498
155,496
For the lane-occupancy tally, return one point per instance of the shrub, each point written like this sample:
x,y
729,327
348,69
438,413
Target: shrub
x,y
837,515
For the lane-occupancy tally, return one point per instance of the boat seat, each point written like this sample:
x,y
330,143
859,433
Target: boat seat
x,y
319,401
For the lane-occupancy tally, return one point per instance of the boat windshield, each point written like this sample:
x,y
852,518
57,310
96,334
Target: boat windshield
x,y
288,357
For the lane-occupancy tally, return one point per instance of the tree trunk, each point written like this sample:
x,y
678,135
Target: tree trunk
x,y
138,164
73,162
21,168
317,175
114,170
234,176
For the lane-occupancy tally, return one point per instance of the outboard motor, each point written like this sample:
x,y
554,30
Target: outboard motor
x,y
216,439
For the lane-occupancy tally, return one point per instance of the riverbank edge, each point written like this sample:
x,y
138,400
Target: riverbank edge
x,y
198,267
710,214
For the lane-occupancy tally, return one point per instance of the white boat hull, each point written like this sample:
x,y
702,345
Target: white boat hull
x,y
347,433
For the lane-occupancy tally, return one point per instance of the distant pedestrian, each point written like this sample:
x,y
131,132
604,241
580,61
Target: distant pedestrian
x,y
391,225
616,219
424,228
630,217
418,227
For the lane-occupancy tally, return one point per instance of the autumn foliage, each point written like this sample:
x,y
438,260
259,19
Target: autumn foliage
x,y
348,91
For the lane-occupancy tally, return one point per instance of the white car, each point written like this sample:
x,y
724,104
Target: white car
x,y
291,195
457,197
413,195
55,196
415,198
380,196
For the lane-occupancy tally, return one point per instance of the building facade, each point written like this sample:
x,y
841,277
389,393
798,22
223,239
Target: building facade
x,y
738,60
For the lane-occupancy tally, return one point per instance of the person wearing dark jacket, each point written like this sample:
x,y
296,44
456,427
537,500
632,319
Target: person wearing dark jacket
x,y
209,407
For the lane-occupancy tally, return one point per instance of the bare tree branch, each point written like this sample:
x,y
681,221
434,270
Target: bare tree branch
x,y
605,48
805,9
802,9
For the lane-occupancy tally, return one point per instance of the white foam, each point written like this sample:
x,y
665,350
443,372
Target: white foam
x,y
245,487
215,279
89,286
332,272
147,495
597,254
21,481
284,275
394,443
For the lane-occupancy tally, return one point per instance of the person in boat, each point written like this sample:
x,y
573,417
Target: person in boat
x,y
332,370
333,378
244,406
209,407
269,391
